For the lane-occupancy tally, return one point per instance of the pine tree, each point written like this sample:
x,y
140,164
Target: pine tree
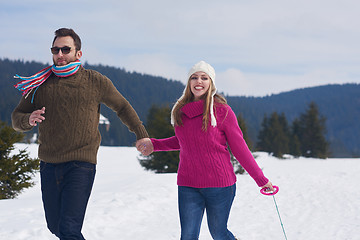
x,y
310,130
264,138
242,124
274,135
295,145
16,170
159,126
283,136
243,127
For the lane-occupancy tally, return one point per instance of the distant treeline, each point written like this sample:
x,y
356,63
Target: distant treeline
x,y
339,104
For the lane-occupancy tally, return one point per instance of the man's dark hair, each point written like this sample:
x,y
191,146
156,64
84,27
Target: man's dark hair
x,y
64,32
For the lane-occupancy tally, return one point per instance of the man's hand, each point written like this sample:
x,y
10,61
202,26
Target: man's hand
x,y
36,117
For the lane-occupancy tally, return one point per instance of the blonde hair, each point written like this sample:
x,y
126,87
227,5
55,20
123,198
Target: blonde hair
x,y
189,97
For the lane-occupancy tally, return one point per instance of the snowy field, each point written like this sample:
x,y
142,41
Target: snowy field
x,y
317,200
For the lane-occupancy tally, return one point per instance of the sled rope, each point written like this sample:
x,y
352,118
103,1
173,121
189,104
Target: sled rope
x,y
277,209
272,193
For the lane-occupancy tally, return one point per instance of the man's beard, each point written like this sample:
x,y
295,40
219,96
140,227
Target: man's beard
x,y
63,61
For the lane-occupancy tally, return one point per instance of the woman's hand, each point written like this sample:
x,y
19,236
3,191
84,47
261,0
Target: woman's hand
x,y
268,187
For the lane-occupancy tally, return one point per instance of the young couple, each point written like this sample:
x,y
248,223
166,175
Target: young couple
x,y
64,100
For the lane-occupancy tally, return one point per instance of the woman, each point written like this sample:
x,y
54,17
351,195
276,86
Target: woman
x,y
204,125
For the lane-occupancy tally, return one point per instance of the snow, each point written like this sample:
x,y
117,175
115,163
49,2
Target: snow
x,y
103,120
317,200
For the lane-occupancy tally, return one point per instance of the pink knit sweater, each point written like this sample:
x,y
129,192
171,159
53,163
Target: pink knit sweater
x,y
204,156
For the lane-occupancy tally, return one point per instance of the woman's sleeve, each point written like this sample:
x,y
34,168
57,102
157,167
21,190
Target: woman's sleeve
x,y
240,149
165,144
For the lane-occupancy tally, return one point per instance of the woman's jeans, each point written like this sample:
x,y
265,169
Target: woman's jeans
x,y
66,189
216,201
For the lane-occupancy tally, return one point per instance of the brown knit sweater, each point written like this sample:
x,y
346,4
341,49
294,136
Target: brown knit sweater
x,y
72,109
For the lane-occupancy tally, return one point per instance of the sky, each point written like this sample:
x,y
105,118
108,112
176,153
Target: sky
x,y
257,47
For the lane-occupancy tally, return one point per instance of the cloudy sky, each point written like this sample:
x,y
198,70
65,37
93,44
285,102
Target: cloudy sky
x,y
257,47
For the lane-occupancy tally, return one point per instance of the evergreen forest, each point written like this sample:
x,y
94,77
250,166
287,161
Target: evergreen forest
x,y
339,105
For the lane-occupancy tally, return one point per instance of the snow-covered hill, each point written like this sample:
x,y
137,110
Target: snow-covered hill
x,y
318,200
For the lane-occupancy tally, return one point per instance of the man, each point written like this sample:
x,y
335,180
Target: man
x,y
64,99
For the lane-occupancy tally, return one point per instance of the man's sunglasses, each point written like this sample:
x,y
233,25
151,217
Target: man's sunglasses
x,y
64,50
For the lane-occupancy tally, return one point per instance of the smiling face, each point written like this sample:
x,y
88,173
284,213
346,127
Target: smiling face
x,y
199,84
61,59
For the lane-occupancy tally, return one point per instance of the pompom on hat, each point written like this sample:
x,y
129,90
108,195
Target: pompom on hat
x,y
201,66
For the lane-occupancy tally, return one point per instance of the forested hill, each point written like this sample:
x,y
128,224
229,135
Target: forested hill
x,y
340,104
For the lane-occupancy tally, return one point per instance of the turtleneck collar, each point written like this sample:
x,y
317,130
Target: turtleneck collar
x,y
193,109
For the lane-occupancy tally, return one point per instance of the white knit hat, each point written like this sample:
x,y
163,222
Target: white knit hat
x,y
209,70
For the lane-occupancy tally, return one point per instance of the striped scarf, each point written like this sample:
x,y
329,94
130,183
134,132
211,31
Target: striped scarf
x,y
33,82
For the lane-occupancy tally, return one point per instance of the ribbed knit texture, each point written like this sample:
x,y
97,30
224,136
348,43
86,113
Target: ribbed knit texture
x,y
204,156
72,109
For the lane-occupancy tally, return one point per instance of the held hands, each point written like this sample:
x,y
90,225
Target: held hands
x,y
145,146
36,116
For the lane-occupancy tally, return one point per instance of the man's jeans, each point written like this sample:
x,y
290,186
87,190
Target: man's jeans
x,y
66,189
216,201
